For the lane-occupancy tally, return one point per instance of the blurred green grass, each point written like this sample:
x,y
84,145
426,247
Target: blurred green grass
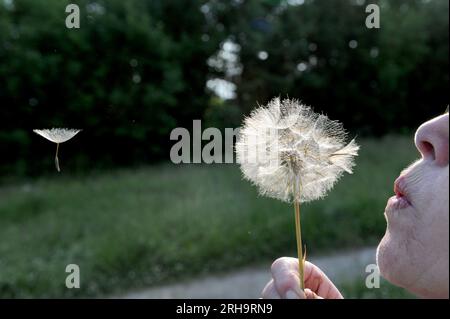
x,y
358,290
129,229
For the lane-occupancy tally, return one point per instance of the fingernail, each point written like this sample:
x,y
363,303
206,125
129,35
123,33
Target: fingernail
x,y
290,294
310,294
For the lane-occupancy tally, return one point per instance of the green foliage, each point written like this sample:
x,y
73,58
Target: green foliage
x,y
131,73
136,228
136,69
222,115
358,290
390,80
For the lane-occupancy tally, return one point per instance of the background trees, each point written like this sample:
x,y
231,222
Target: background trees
x,y
136,69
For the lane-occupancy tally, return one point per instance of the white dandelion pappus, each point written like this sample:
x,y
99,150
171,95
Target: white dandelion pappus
x,y
291,153
58,136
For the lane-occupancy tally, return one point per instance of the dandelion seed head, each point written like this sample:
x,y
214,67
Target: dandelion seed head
x,y
291,153
57,135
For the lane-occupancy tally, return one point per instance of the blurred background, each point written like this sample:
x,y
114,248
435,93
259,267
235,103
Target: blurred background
x,y
137,69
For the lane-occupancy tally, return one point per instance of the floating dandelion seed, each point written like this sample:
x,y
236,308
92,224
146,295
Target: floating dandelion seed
x,y
293,154
58,136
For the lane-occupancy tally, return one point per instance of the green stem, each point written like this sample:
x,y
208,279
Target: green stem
x,y
298,235
298,230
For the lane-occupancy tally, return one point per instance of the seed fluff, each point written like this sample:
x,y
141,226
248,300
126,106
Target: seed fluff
x,y
58,136
291,153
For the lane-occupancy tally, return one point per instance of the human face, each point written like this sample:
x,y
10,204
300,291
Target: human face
x,y
413,253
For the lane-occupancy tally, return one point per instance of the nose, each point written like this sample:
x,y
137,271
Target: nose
x,y
432,140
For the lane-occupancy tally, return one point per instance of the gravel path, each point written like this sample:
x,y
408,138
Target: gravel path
x,y
248,282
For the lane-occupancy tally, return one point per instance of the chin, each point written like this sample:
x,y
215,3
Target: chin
x,y
399,266
385,257
391,261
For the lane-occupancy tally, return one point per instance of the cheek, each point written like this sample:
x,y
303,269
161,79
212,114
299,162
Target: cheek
x,y
434,215
425,238
436,220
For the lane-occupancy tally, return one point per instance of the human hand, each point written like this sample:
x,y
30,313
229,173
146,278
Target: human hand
x,y
285,282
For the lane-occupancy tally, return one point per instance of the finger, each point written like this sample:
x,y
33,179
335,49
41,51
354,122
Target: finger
x,y
285,274
319,283
311,294
269,291
286,279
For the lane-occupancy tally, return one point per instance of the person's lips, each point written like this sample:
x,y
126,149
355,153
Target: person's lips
x,y
400,187
400,200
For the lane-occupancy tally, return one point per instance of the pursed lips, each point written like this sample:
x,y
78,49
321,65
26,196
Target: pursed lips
x,y
400,188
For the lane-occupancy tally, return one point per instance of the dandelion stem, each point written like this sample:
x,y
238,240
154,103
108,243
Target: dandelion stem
x,y
298,233
56,158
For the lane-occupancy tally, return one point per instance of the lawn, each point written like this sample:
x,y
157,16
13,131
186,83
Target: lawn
x,y
358,290
140,227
